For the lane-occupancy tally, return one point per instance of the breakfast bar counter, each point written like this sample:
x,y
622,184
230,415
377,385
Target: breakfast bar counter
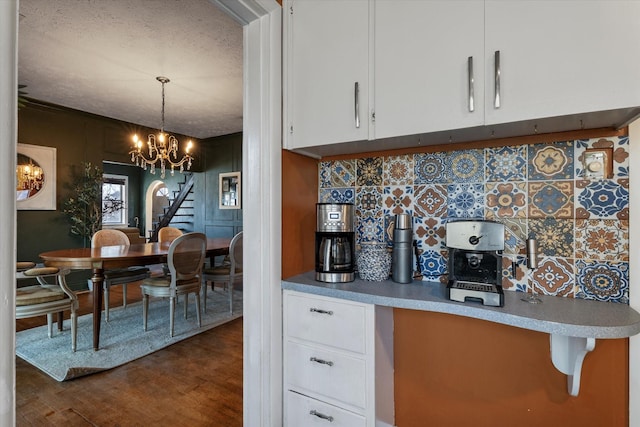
x,y
573,324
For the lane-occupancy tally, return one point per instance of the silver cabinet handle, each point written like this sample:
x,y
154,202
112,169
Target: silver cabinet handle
x,y
321,361
357,103
496,99
471,83
321,311
321,415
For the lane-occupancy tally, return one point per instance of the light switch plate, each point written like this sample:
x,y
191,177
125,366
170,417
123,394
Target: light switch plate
x,y
598,163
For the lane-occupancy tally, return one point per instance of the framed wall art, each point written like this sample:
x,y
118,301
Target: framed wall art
x,y
230,189
35,177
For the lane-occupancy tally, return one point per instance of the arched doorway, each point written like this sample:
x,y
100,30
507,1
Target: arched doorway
x,y
155,200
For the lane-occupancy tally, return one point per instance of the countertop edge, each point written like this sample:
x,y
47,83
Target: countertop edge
x,y
555,315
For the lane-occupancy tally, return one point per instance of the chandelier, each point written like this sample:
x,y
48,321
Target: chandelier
x,y
29,176
163,148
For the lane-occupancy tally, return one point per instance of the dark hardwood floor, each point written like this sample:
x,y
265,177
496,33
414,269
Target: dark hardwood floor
x,y
196,382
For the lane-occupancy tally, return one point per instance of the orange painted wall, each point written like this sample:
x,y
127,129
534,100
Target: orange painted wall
x,y
455,371
299,197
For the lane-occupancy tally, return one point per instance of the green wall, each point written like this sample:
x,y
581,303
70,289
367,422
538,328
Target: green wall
x,y
82,137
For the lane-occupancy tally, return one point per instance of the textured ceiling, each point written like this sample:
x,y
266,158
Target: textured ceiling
x,y
103,57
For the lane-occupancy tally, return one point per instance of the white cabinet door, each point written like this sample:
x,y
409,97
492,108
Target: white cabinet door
x,y
561,57
422,51
328,55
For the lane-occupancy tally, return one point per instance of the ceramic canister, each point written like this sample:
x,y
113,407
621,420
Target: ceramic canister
x,y
374,262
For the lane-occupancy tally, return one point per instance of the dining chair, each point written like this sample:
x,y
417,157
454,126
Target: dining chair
x,y
51,295
168,235
185,260
228,273
120,276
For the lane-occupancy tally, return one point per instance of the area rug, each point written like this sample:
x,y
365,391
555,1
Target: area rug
x,y
122,339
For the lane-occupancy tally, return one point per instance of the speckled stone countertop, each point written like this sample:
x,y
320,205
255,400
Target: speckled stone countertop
x,y
555,315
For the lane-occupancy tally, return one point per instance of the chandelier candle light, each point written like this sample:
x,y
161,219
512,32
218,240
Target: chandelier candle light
x,y
29,177
164,148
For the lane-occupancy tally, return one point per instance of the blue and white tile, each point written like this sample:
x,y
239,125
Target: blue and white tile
x,y
369,202
605,199
550,198
506,164
433,265
514,273
398,170
466,165
397,200
515,235
369,172
430,200
429,234
554,276
555,236
603,281
430,168
551,161
369,230
337,195
465,201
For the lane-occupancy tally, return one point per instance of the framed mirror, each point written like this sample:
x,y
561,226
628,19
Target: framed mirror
x,y
35,177
230,189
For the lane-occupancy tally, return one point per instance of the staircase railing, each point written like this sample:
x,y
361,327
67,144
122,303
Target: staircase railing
x,y
185,189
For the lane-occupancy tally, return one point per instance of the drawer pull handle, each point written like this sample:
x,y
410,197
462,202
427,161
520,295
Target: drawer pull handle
x,y
322,362
319,310
321,415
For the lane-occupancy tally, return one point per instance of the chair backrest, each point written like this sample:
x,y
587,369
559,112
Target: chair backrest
x,y
235,252
168,234
109,237
186,257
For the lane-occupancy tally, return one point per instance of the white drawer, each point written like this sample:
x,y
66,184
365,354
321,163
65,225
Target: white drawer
x,y
304,411
325,373
326,321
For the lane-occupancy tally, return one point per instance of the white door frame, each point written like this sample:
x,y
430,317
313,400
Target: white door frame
x,y
261,190
261,186
634,282
8,138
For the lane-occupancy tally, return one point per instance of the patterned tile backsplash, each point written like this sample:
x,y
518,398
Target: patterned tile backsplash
x,y
539,190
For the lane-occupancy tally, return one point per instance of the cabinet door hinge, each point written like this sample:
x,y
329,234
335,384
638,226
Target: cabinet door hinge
x,y
373,116
290,128
291,10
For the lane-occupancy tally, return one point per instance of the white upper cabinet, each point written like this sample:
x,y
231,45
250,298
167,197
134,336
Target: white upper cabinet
x,y
425,66
561,57
429,66
326,72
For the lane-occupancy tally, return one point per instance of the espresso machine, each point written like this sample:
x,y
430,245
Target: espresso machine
x,y
475,261
335,245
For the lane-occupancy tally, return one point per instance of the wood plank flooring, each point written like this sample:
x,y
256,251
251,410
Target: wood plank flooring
x,y
196,382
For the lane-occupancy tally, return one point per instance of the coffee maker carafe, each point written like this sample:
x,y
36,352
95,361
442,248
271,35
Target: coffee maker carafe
x,y
335,249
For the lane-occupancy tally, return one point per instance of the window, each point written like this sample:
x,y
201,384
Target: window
x,y
114,200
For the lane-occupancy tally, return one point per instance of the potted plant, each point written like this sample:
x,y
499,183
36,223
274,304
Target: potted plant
x,y
86,206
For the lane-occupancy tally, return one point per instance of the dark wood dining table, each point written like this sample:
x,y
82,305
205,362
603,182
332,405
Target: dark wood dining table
x,y
109,257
